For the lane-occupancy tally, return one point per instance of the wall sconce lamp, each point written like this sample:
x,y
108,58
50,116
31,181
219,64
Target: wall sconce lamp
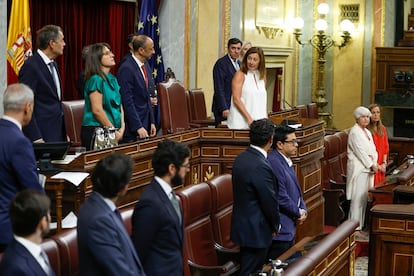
x,y
322,42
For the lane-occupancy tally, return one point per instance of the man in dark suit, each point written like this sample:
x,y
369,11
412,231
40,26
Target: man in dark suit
x,y
255,217
30,217
104,245
157,229
17,161
41,74
223,72
291,204
138,90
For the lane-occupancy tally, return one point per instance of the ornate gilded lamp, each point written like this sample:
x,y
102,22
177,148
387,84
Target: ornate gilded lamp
x,y
322,42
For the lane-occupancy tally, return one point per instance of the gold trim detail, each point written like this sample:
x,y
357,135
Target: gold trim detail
x,y
209,174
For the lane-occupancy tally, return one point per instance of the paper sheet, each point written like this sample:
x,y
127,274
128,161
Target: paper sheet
x,y
68,158
295,126
75,178
70,221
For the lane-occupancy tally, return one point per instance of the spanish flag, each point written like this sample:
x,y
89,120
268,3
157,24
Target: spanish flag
x,y
19,39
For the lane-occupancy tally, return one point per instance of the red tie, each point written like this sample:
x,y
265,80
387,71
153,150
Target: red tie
x,y
145,74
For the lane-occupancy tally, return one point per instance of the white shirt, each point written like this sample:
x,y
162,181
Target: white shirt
x,y
262,151
288,160
47,60
234,62
165,186
139,65
35,250
108,202
14,121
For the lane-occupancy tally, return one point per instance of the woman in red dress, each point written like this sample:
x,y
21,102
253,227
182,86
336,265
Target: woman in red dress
x,y
379,134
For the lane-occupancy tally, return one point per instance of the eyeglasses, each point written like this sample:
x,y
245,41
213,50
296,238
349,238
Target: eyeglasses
x,y
293,141
187,166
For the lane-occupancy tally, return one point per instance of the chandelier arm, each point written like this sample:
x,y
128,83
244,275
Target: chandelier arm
x,y
297,35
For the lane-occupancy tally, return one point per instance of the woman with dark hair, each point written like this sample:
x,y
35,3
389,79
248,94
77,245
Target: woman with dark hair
x,y
249,96
379,134
103,106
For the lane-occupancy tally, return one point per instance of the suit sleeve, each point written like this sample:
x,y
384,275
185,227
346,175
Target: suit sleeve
x,y
125,80
287,204
104,243
267,191
24,163
219,87
26,76
144,227
151,92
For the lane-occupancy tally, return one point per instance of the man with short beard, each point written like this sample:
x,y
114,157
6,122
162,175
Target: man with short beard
x,y
157,229
29,213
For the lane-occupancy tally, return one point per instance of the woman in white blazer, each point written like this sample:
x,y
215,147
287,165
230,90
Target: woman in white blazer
x,y
361,166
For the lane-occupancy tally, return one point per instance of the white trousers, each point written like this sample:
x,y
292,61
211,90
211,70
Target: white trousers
x,y
359,200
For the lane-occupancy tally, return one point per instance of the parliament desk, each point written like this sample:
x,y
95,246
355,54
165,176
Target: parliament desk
x,y
54,188
383,193
213,151
403,194
391,250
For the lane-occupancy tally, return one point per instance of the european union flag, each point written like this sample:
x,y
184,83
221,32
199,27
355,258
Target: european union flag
x,y
148,25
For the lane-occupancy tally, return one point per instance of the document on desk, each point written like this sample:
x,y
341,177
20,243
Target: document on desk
x,y
70,221
295,126
75,178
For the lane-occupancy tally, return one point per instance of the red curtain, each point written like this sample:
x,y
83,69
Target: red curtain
x,y
83,23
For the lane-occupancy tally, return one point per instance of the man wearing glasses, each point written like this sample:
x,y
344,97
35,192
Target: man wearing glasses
x,y
291,205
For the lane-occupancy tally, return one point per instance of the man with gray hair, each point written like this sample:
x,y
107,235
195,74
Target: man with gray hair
x,y
41,74
17,161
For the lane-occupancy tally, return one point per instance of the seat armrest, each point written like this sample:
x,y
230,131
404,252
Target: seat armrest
x,y
226,269
225,255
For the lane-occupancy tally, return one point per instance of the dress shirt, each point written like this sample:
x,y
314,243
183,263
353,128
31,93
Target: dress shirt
x,y
14,121
165,186
235,63
108,202
262,151
47,60
288,160
139,65
35,250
